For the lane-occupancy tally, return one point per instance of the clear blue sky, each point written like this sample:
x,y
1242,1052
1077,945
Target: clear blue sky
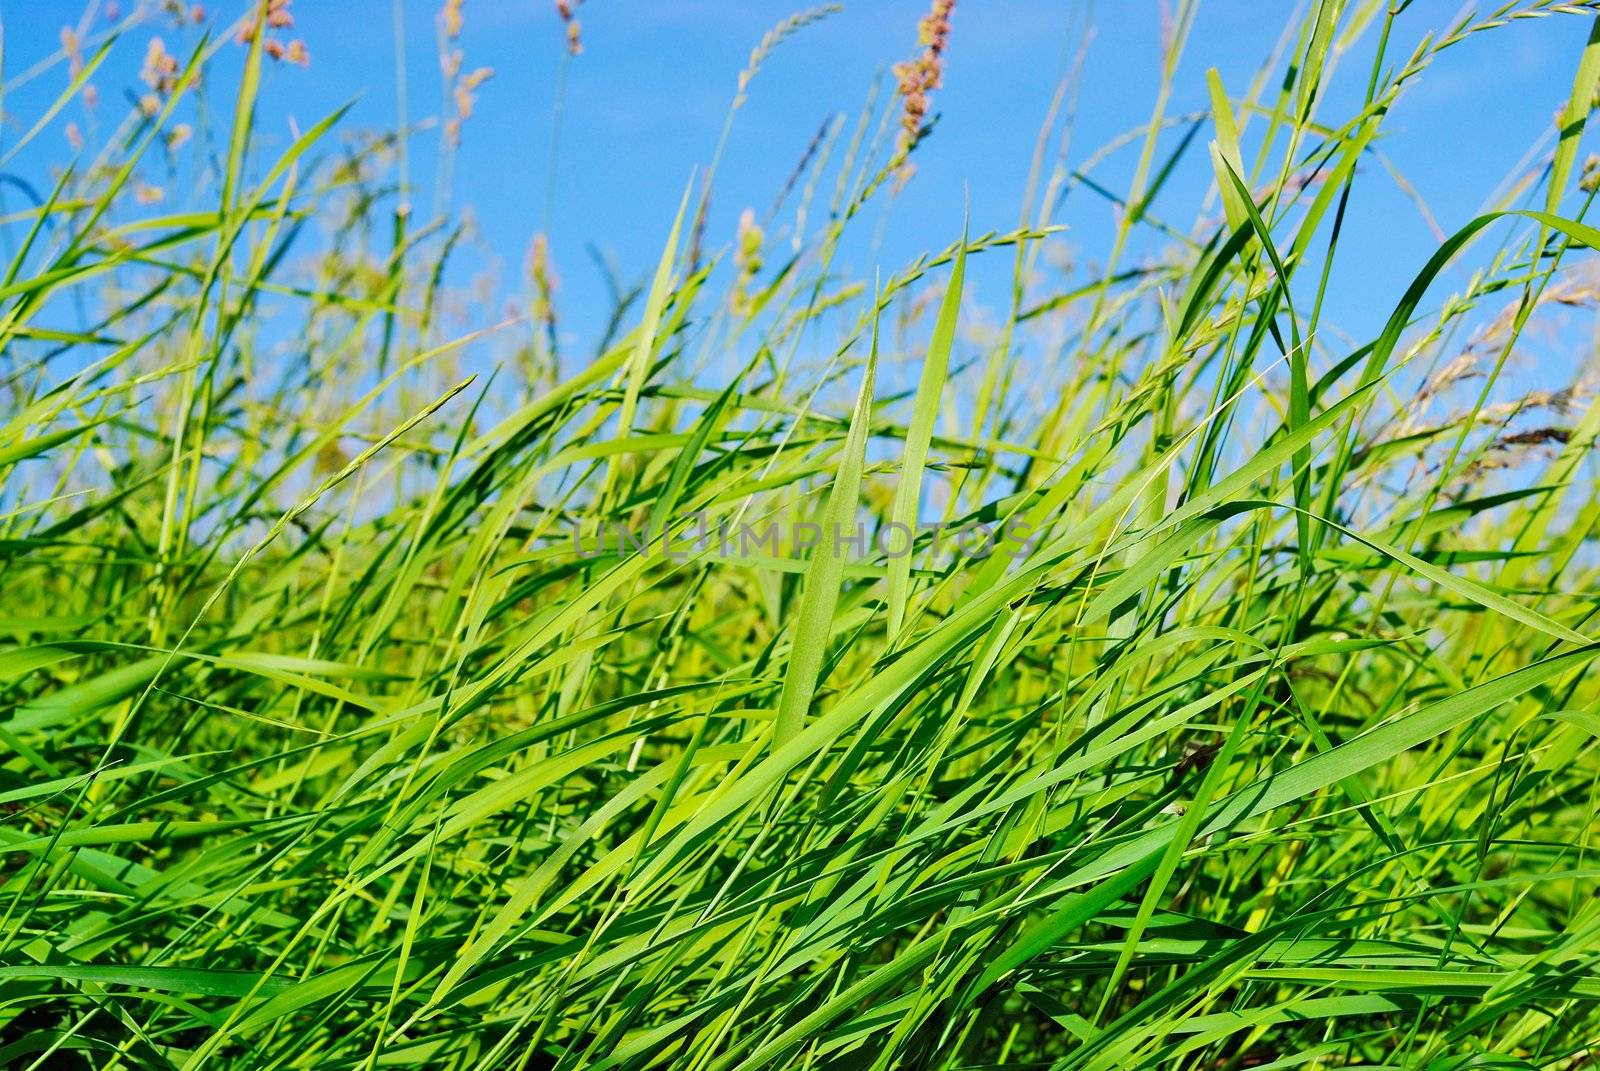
x,y
646,100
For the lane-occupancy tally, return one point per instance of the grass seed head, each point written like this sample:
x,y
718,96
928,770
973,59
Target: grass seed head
x,y
918,78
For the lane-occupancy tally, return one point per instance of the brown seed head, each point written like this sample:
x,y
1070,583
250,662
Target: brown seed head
x,y
919,77
565,9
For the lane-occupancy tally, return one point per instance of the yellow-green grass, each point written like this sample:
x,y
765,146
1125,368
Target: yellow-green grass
x,y
322,747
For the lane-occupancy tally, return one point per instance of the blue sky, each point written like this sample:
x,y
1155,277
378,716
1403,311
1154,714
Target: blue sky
x,y
645,102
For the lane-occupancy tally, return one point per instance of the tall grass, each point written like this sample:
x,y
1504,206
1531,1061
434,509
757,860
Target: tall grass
x,y
331,740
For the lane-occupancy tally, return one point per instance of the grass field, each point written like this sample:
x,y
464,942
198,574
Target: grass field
x,y
337,732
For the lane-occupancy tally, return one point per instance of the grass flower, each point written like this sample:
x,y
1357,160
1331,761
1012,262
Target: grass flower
x,y
918,78
747,263
565,9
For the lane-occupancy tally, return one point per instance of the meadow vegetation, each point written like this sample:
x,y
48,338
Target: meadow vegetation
x,y
321,748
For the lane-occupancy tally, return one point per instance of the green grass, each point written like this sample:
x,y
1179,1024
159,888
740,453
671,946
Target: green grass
x,y
320,747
